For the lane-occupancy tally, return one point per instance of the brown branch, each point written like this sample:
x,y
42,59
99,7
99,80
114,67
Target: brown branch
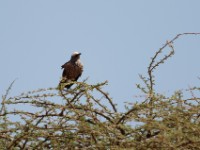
x,y
108,98
152,66
126,115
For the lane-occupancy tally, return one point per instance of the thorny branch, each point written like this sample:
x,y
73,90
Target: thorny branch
x,y
153,64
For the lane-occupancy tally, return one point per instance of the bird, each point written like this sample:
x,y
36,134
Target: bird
x,y
73,69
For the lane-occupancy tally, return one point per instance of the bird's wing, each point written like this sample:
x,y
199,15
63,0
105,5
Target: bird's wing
x,y
63,66
68,70
71,71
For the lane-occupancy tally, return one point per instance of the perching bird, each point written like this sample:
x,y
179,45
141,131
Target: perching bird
x,y
72,69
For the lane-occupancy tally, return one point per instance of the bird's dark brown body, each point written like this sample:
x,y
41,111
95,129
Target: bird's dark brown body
x,y
72,69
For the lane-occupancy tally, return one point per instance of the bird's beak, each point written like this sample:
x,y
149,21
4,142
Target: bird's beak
x,y
79,54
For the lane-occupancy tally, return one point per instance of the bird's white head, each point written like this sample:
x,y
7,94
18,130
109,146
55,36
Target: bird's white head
x,y
75,56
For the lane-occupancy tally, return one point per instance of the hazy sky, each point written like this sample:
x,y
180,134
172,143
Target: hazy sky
x,y
117,38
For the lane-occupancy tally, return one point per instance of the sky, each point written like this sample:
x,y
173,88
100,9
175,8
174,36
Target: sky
x,y
116,38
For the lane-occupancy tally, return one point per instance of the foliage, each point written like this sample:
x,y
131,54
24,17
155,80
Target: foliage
x,y
86,117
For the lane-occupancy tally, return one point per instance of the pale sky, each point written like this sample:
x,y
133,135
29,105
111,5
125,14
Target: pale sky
x,y
116,38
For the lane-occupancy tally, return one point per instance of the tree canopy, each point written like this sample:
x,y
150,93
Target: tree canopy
x,y
86,117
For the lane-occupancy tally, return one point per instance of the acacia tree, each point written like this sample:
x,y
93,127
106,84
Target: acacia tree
x,y
86,117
